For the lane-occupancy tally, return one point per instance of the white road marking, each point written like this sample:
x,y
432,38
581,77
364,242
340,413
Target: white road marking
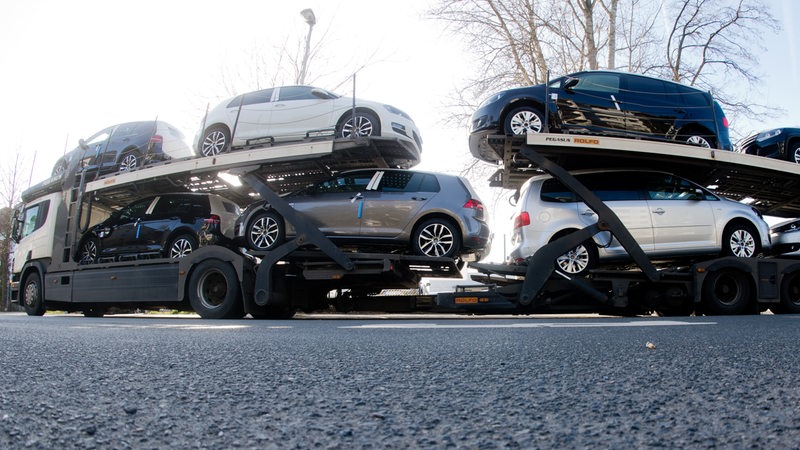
x,y
660,323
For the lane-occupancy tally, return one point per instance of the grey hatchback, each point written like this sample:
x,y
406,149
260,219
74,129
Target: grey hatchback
x,y
428,214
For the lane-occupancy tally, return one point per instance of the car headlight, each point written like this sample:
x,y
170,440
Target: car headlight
x,y
396,111
764,135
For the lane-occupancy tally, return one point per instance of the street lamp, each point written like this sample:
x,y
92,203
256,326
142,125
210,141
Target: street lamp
x,y
311,20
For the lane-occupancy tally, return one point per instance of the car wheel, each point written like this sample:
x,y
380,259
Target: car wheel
x,y
436,237
697,138
740,240
214,291
578,261
794,152
790,295
726,292
265,231
524,120
32,297
89,251
129,162
215,141
366,124
181,246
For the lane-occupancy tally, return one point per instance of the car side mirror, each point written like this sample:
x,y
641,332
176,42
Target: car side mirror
x,y
82,144
570,83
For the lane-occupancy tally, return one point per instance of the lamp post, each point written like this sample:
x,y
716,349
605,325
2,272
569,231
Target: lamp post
x,y
311,20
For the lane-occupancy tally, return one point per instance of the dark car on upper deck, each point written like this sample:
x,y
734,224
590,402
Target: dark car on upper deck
x,y
778,143
603,103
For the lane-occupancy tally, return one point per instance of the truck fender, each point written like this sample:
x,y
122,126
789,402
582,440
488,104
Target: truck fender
x,y
702,270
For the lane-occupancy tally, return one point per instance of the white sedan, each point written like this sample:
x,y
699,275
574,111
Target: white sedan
x,y
292,113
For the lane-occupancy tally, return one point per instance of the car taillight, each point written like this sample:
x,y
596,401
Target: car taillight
x,y
155,139
477,205
522,219
724,121
212,220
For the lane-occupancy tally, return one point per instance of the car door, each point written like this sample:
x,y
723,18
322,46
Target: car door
x,y
395,201
126,136
590,102
682,215
335,205
122,227
95,147
651,106
297,111
622,192
250,116
169,213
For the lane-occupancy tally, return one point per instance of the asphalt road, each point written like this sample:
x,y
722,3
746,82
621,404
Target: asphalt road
x,y
393,382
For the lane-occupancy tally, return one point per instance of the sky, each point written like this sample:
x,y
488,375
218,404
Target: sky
x,y
71,68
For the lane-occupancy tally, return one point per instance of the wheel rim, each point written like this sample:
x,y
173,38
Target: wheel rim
x,y
792,294
214,143
363,127
742,243
796,154
212,289
128,163
436,240
699,141
88,252
31,294
180,248
575,260
727,289
264,232
525,122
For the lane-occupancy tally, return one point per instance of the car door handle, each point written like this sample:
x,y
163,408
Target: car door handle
x,y
658,211
419,198
587,212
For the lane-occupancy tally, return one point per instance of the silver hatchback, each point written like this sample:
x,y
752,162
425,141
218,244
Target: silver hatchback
x,y
428,214
668,216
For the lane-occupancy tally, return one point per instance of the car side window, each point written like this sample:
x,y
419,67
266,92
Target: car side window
x,y
694,98
181,206
555,192
136,210
646,91
670,187
296,93
253,98
355,182
598,83
397,182
614,186
99,137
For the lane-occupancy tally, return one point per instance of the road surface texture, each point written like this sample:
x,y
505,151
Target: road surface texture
x,y
393,382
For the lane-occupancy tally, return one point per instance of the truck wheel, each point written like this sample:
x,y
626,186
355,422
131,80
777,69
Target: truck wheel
x,y
31,293
790,295
181,246
436,237
740,240
727,292
265,231
214,291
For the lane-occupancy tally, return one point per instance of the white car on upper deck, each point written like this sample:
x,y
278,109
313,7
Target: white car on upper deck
x,y
291,113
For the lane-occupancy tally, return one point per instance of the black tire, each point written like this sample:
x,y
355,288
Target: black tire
x,y
727,292
740,240
214,291
32,295
180,246
578,261
436,237
265,231
794,152
790,295
524,120
88,251
129,161
216,140
367,124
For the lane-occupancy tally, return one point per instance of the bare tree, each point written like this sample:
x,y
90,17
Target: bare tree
x,y
12,181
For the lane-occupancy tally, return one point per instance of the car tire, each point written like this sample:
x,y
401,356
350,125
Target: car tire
x,y
367,124
216,140
180,246
740,240
697,138
436,237
726,292
129,161
578,261
524,120
88,251
214,291
794,152
265,231
32,294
